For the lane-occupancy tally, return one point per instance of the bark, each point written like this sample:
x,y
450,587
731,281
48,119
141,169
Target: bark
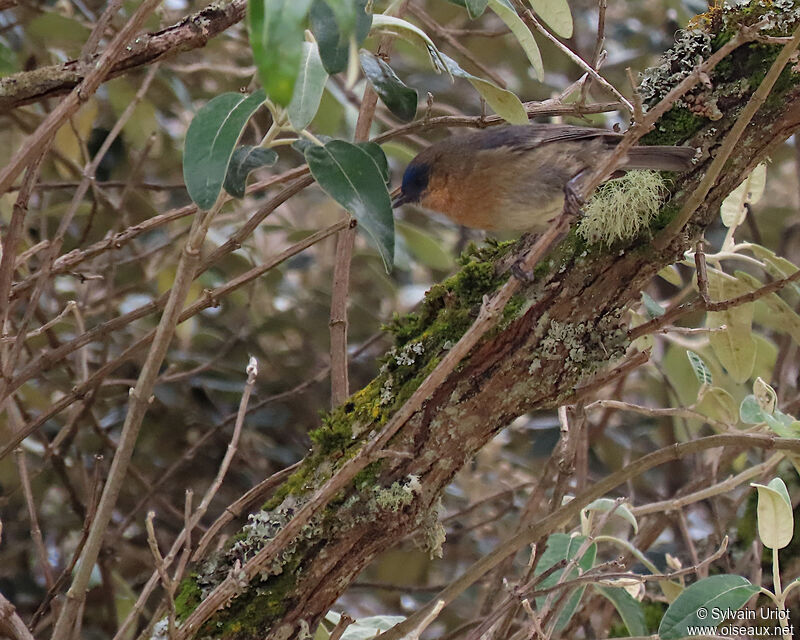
x,y
565,329
192,32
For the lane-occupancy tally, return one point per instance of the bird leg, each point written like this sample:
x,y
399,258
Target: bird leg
x,y
573,201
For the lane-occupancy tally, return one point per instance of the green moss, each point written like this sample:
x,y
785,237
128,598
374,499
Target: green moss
x,y
189,596
251,613
664,216
296,484
675,127
368,476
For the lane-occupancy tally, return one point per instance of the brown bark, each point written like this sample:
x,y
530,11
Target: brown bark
x,y
190,33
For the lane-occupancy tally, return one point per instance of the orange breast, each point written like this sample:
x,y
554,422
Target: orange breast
x,y
469,201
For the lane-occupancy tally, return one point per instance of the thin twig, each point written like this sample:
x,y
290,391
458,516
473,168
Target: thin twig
x,y
36,532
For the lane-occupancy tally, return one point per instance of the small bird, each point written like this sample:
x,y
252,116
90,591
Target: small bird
x,y
514,178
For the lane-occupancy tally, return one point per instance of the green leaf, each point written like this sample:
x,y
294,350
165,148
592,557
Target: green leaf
x,y
505,104
556,14
210,140
425,249
733,209
399,98
276,38
775,518
301,144
334,44
414,35
560,547
699,367
475,8
734,346
351,176
308,88
750,412
707,597
629,609
344,12
606,504
654,310
244,160
671,274
378,156
717,403
506,12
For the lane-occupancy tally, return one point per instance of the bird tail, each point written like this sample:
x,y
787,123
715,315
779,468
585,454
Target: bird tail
x,y
661,158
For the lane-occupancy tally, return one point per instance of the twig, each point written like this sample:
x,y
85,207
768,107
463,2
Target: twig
x,y
208,299
688,307
340,385
36,532
10,622
531,20
161,569
341,626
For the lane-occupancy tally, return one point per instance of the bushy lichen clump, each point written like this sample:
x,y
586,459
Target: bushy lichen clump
x,y
621,209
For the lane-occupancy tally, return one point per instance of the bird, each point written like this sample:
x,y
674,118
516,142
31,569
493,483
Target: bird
x,y
514,178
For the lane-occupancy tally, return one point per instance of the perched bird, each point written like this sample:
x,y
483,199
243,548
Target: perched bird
x,y
514,178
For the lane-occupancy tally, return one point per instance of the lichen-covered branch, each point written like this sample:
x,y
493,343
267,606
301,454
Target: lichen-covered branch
x,y
192,32
555,334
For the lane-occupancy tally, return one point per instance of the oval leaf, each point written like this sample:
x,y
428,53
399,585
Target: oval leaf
x,y
425,249
629,609
505,104
414,35
716,593
775,518
210,140
556,14
506,12
244,160
717,403
700,368
400,99
350,174
734,346
475,8
276,38
309,87
333,44
607,504
733,209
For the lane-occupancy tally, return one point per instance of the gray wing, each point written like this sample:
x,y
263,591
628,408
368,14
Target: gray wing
x,y
534,135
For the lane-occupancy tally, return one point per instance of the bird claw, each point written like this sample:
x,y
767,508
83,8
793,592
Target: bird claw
x,y
573,201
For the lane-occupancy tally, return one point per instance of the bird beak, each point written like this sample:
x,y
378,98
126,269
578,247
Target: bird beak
x,y
399,200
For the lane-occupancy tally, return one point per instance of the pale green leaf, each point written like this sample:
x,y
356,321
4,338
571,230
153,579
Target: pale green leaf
x,y
556,14
504,103
734,207
506,12
309,87
775,518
